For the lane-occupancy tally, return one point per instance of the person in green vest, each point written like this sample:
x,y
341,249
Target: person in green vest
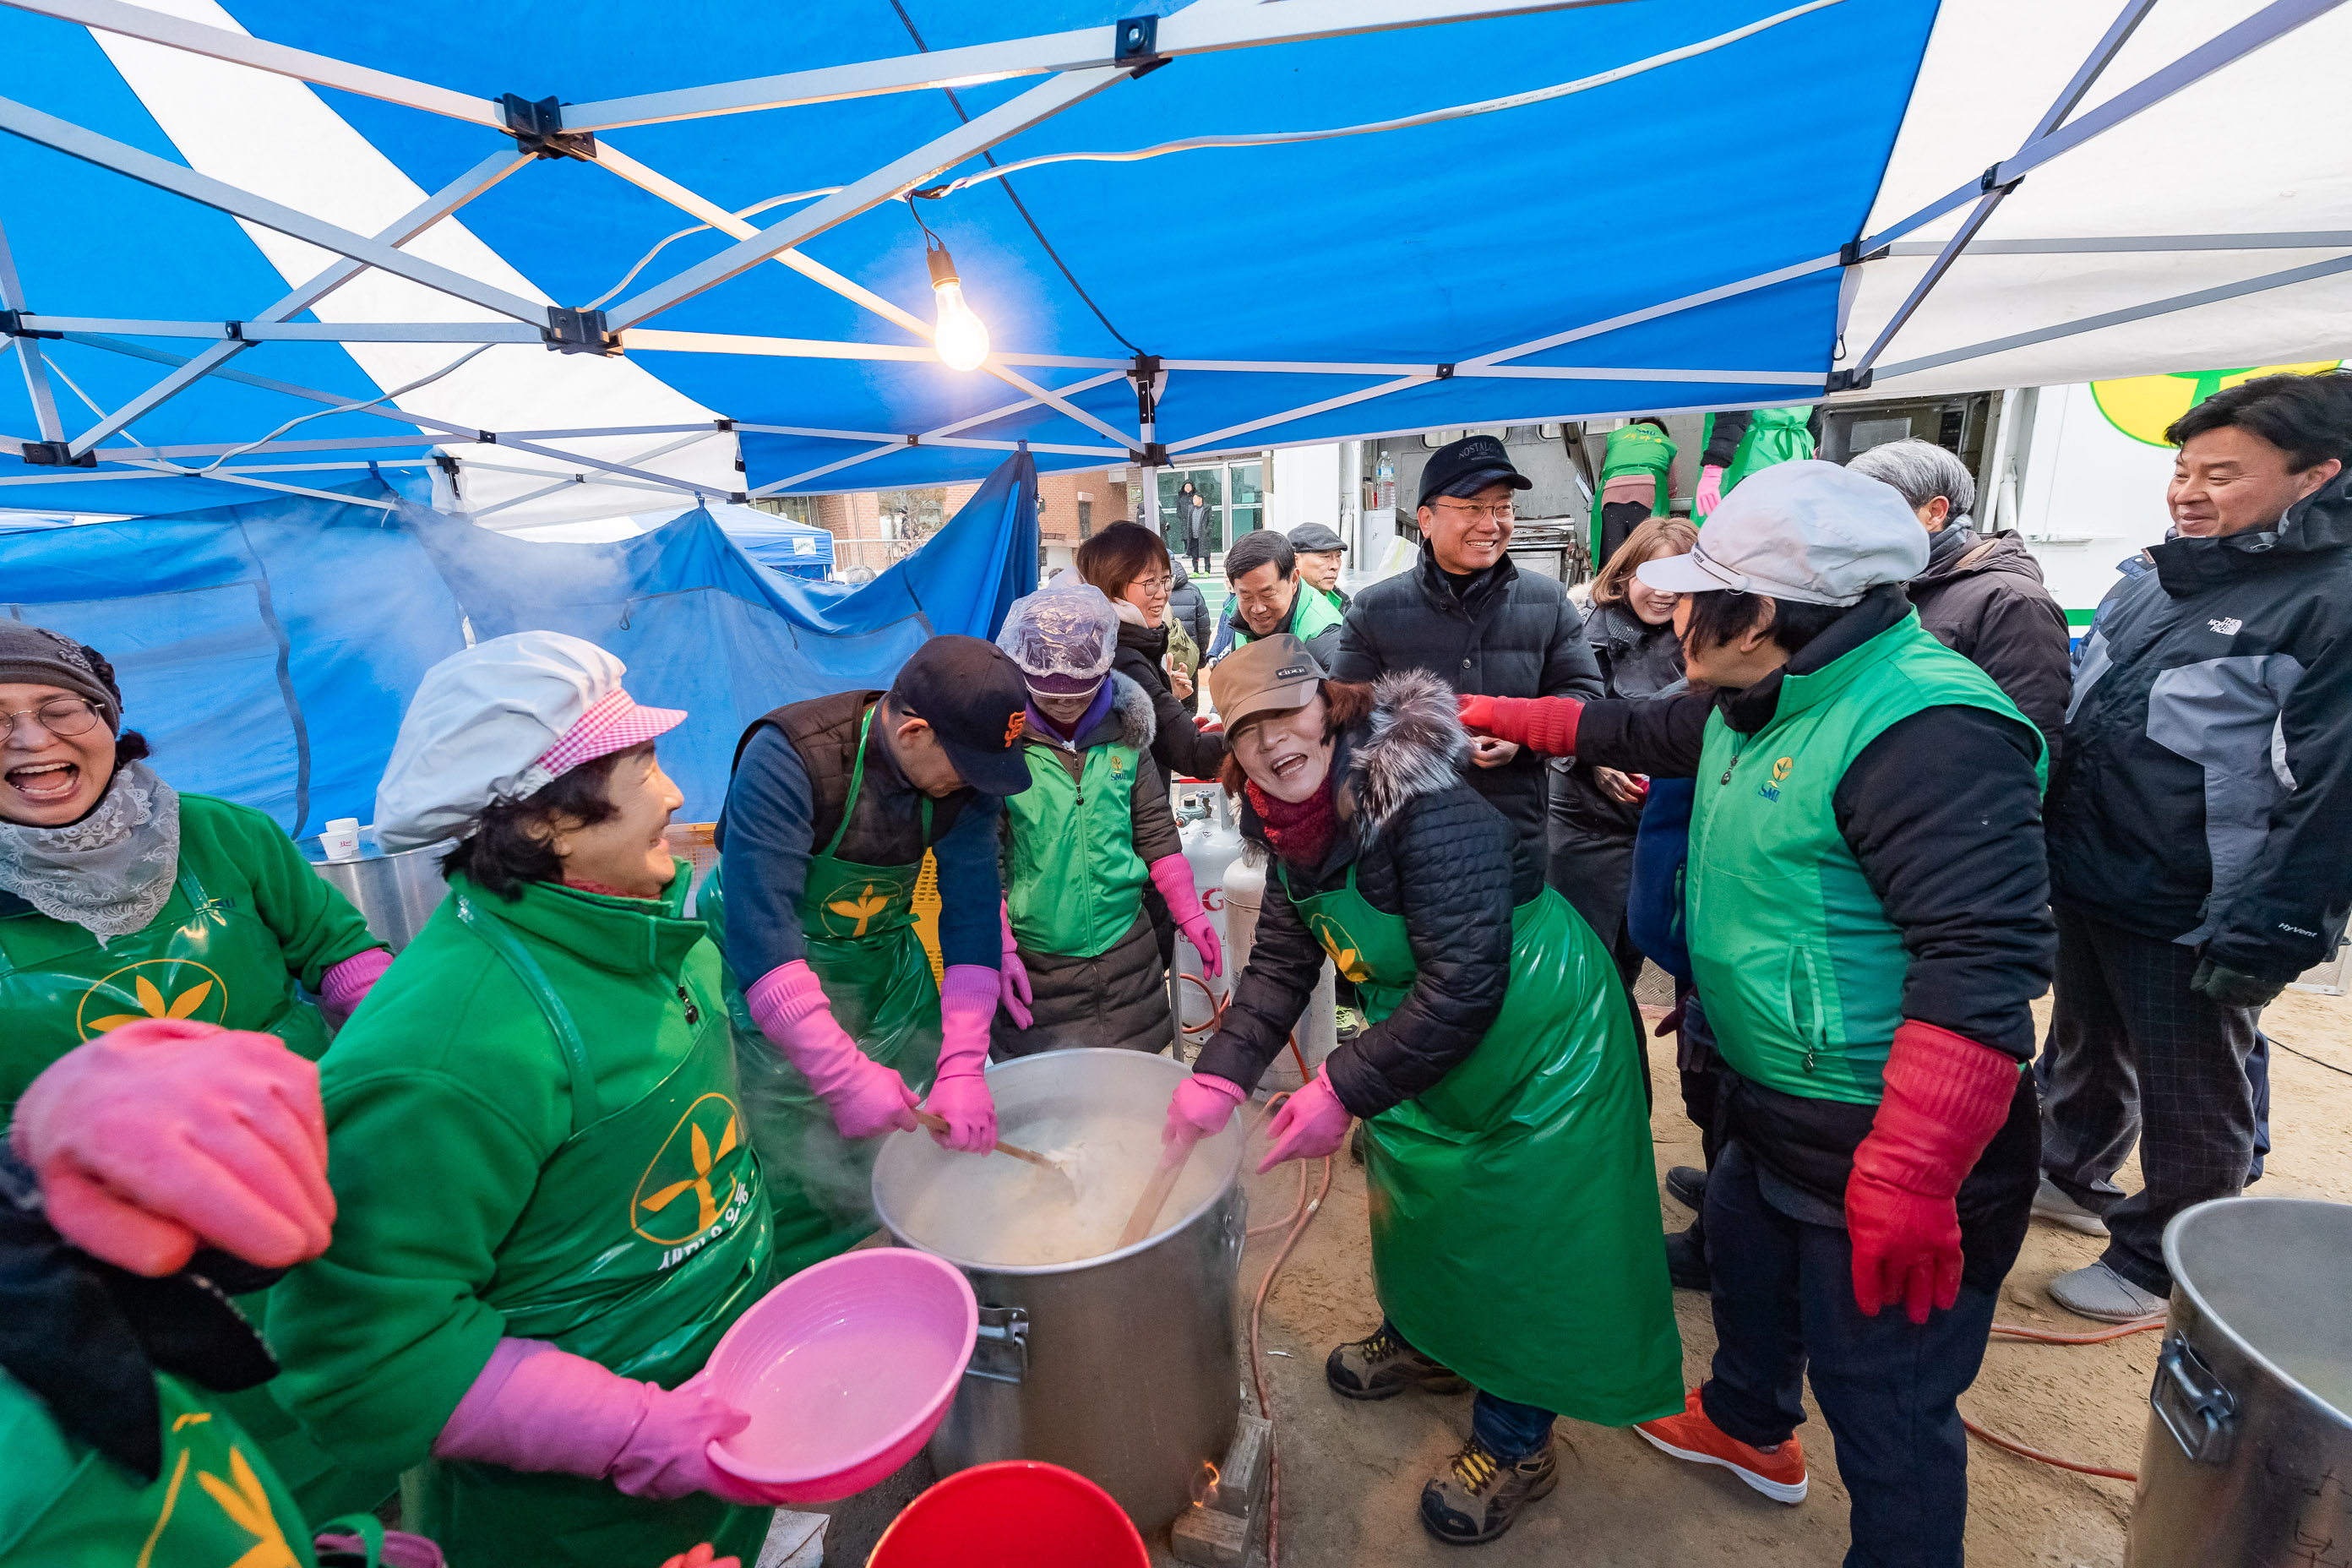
x,y
1866,902
1636,469
121,899
1516,1246
547,1210
1734,446
1090,832
1268,597
144,1173
841,1029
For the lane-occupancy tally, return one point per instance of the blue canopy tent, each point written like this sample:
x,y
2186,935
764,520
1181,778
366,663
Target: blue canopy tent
x,y
779,543
1412,214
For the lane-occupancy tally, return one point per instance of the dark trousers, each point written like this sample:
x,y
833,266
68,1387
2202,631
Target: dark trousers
x,y
1695,1062
2136,1055
1783,1299
1505,1429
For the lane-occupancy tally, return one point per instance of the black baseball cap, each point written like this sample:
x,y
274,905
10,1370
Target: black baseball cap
x,y
1464,468
972,696
1314,539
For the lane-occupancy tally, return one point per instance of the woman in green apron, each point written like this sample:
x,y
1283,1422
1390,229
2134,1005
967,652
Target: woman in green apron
x,y
547,1212
1636,468
123,899
1734,446
1515,1240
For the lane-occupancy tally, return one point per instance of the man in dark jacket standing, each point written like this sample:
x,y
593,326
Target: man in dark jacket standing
x,y
2200,824
1471,619
1184,597
1981,596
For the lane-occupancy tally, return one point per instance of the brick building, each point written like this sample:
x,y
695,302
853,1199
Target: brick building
x,y
876,529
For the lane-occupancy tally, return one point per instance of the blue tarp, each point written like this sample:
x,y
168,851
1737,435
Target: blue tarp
x,y
267,651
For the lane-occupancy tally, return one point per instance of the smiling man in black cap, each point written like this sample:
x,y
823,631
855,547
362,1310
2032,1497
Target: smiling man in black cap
x,y
1476,621
833,803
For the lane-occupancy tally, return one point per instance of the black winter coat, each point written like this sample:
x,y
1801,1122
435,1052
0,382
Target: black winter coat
x,y
1422,845
1176,745
1184,598
1513,634
2205,795
1591,835
1988,603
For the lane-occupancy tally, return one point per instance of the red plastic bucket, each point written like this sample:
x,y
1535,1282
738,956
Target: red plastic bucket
x,y
1016,1514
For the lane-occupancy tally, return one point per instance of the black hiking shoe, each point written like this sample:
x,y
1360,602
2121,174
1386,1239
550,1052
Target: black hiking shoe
x,y
1687,1260
1382,1366
1478,1496
1688,1185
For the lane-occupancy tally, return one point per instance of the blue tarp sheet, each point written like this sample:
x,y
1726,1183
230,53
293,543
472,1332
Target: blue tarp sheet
x,y
267,651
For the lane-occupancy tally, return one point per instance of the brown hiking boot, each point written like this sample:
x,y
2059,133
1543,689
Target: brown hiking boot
x,y
1382,1366
1478,1496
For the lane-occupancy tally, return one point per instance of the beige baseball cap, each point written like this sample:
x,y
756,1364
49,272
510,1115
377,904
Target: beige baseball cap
x,y
1265,675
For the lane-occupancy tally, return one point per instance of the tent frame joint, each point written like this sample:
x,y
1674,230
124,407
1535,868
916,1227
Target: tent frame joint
x,y
536,127
1137,44
1445,373
1991,181
57,454
12,325
1851,253
580,332
1846,381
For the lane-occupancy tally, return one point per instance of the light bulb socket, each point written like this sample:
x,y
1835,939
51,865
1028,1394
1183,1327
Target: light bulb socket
x,y
943,271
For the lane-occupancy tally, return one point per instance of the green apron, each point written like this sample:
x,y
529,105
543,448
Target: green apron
x,y
643,1285
858,923
1513,1206
216,961
1774,435
1632,449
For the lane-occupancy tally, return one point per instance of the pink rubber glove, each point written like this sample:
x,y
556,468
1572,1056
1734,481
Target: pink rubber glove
x,y
344,984
1173,874
537,1408
164,1133
1200,1109
968,998
1012,975
1710,492
1310,1124
401,1550
865,1098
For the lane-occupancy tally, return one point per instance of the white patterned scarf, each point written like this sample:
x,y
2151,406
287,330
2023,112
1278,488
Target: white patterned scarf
x,y
109,873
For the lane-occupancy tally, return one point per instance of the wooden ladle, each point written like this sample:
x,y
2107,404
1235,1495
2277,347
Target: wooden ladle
x,y
1043,1162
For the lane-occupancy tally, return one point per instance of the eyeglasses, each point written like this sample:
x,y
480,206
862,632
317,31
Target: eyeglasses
x,y
60,716
1500,512
1152,584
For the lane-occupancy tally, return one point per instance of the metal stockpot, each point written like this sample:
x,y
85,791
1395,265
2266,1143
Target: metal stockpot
x,y
2248,1461
1120,1367
395,893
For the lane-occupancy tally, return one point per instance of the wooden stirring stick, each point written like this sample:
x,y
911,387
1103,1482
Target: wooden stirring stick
x,y
939,1125
1155,1194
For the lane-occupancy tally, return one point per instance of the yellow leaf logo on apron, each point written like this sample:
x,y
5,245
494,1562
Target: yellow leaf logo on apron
x,y
1341,947
861,909
152,988
689,1161
243,1499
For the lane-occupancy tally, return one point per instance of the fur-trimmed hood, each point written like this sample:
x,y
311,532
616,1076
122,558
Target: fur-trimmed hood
x,y
1413,745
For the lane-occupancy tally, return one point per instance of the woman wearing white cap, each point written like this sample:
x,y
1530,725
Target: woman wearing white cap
x,y
548,1211
1085,837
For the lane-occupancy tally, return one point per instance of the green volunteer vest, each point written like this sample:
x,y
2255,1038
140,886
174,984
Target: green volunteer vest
x,y
1311,614
1075,883
1801,969
1634,449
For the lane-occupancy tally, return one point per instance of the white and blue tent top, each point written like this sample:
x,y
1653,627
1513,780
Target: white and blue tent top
x,y
590,258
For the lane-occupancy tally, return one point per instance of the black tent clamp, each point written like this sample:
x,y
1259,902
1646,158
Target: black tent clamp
x,y
580,332
1139,46
52,454
538,129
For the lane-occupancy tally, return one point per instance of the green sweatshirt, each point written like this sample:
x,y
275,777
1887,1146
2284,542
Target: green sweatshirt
x,y
446,1095
267,922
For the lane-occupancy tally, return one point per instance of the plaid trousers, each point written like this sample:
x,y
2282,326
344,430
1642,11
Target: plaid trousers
x,y
2135,1055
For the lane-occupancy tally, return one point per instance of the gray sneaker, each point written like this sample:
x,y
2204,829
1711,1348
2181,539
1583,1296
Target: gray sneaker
x,y
2050,1203
2100,1292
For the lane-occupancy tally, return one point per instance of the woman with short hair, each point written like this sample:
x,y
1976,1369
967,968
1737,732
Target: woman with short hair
x,y
1130,564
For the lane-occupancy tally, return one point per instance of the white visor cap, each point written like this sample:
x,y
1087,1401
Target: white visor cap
x,y
1812,532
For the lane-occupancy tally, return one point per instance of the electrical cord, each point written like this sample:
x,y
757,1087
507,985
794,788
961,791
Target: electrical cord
x,y
630,276
1305,1214
2306,1056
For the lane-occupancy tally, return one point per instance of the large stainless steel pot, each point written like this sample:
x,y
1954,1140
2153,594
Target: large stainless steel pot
x,y
2248,1461
396,892
1120,1367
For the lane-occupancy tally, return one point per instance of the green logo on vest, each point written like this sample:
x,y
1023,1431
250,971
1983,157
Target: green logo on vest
x,y
1770,788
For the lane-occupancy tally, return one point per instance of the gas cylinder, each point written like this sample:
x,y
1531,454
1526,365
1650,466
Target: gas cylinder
x,y
1317,1031
1205,822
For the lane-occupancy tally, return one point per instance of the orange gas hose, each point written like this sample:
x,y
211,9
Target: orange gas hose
x,y
2048,1337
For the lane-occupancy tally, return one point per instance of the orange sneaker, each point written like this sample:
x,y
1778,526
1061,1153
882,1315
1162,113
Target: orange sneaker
x,y
1779,1474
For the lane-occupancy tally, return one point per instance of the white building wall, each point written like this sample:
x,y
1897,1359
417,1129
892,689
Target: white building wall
x,y
2090,495
1306,488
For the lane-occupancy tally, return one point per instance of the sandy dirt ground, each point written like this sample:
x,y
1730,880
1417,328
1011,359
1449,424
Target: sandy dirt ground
x,y
1352,1474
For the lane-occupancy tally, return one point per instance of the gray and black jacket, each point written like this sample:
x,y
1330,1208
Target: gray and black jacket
x,y
2205,794
1984,599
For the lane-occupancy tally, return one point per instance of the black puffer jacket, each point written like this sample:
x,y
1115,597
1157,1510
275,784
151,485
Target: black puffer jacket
x,y
1591,833
1986,600
1509,634
1177,746
1422,846
1184,598
2205,795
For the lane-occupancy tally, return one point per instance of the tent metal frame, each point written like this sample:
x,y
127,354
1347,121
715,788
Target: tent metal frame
x,y
1077,65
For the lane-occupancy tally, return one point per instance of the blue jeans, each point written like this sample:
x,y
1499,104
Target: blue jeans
x,y
1505,1428
1783,1299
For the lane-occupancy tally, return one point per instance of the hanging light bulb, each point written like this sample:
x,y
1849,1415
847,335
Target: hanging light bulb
x,y
961,337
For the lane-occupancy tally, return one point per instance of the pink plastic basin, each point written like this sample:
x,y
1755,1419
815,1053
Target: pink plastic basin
x,y
846,1369
1016,1514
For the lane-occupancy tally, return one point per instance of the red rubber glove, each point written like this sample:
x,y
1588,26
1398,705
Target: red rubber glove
x,y
1173,874
163,1133
865,1098
968,998
1011,974
1710,492
1945,1097
1200,1109
1310,1124
701,1557
1544,725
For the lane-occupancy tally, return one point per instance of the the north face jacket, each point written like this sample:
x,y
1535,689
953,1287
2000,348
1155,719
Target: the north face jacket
x,y
2205,793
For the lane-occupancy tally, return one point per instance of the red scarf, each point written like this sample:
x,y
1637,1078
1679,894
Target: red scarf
x,y
1300,833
